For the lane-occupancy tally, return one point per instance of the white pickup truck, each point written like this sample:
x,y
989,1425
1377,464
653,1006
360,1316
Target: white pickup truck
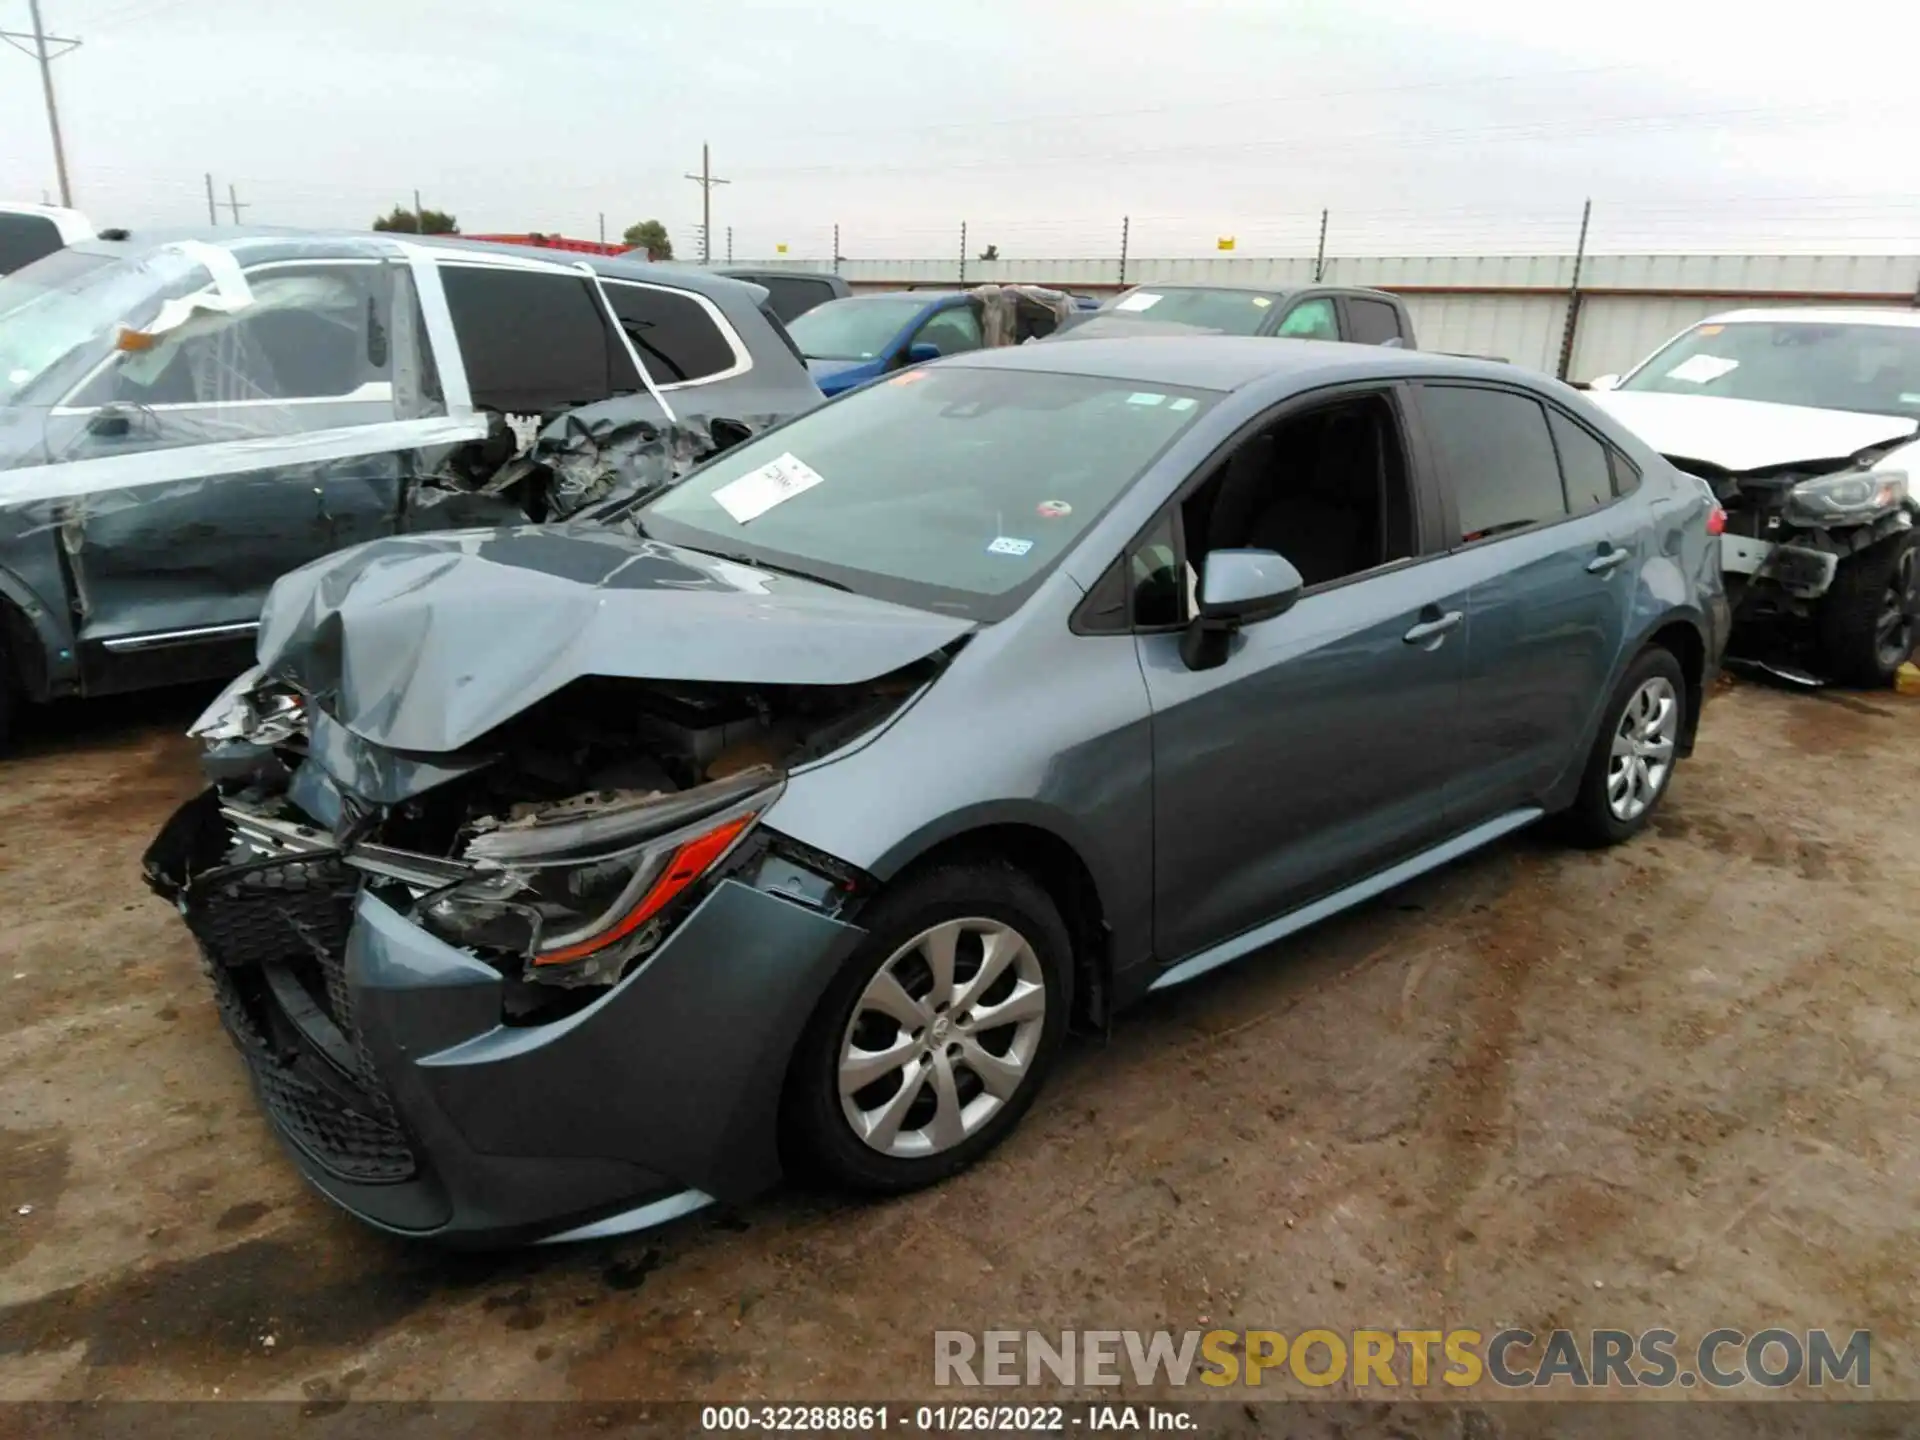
x,y
29,231
1806,423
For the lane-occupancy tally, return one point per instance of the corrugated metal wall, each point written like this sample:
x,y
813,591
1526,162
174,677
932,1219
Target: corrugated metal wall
x,y
1514,306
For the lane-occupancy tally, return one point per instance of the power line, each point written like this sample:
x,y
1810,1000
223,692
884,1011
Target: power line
x,y
40,52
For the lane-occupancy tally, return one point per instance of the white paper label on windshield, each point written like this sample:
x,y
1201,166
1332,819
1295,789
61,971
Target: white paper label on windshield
x,y
756,493
1144,300
1699,369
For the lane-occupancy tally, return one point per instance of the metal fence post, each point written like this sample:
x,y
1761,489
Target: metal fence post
x,y
836,249
1126,224
1320,255
963,252
1573,295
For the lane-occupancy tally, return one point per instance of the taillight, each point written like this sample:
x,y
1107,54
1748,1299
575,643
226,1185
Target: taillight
x,y
1716,521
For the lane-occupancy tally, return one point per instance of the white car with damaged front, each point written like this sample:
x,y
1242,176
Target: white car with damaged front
x,y
1806,423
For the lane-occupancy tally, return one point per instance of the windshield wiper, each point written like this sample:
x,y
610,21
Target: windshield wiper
x,y
754,564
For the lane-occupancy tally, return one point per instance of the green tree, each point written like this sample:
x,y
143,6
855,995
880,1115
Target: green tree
x,y
650,236
401,220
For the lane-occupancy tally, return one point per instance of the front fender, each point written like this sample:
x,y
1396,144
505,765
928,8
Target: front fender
x,y
33,619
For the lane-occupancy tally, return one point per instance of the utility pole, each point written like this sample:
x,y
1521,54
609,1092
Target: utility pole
x,y
603,227
419,215
1573,295
213,214
40,41
234,204
706,180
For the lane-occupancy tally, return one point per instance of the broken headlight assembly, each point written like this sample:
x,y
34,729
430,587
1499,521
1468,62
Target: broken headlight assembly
x,y
1850,497
254,710
580,891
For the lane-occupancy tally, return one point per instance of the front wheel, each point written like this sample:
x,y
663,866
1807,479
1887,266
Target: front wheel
x,y
1633,755
1867,629
933,1040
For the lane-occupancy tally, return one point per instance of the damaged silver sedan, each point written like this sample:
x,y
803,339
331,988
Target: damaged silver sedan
x,y
184,419
558,880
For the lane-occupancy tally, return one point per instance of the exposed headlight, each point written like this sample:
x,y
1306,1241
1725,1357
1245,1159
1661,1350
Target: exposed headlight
x,y
581,895
253,709
1853,495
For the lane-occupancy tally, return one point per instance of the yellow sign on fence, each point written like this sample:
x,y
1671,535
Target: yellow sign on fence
x,y
779,249
1225,242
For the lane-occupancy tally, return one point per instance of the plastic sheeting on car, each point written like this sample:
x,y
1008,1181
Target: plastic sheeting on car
x,y
1015,314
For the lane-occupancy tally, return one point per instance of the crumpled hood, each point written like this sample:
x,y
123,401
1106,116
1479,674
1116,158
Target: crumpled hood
x,y
426,643
1740,435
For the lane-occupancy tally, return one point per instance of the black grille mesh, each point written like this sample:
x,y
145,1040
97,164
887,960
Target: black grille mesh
x,y
297,915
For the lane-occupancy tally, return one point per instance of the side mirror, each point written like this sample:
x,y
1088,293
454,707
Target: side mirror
x,y
921,353
1603,382
1237,587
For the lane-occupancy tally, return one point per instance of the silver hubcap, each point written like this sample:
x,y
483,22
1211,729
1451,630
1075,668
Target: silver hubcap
x,y
1643,749
944,1035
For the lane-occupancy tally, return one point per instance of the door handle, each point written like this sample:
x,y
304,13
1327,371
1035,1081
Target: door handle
x,y
1602,563
1433,629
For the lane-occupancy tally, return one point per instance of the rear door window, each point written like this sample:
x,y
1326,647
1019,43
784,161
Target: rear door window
x,y
24,239
1498,458
677,336
533,341
1374,322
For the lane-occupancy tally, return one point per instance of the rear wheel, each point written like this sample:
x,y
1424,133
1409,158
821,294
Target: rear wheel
x,y
934,1038
1633,755
1867,629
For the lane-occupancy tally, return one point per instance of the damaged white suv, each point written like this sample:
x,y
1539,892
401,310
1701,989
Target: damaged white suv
x,y
1806,423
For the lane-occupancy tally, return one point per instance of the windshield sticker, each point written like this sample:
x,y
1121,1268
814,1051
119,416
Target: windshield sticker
x,y
1007,545
1261,302
1145,397
759,491
1143,300
1183,404
1700,369
1053,509
1709,330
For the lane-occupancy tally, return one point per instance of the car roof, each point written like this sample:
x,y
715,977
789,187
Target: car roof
x,y
754,272
703,282
1829,315
1225,362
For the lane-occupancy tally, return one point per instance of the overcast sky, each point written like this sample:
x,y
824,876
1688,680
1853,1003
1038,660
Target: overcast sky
x,y
1423,127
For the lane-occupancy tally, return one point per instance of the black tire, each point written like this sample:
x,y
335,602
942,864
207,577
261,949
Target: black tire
x,y
1866,624
11,699
1592,820
819,1134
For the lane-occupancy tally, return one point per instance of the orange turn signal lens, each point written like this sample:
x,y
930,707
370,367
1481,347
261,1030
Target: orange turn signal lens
x,y
689,863
1716,521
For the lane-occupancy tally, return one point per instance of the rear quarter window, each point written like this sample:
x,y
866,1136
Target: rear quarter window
x,y
675,334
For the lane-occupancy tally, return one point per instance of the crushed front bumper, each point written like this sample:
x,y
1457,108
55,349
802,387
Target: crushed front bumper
x,y
381,1055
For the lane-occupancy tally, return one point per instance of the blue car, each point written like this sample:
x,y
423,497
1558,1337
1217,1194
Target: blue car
x,y
849,342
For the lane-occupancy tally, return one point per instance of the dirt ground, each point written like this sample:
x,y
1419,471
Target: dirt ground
x,y
1676,1084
